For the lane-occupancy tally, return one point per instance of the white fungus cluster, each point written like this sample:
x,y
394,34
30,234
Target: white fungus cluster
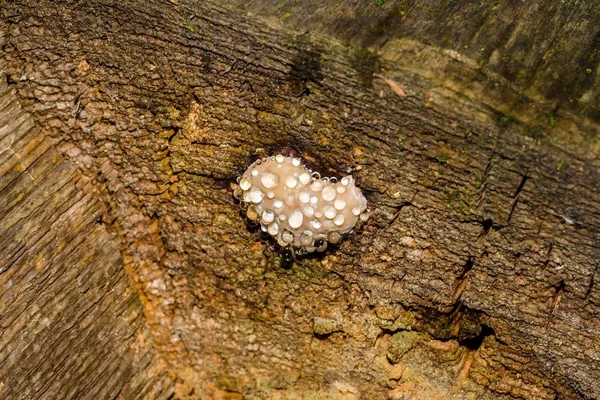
x,y
296,206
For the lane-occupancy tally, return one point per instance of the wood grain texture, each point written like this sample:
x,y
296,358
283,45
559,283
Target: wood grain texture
x,y
483,239
544,55
71,324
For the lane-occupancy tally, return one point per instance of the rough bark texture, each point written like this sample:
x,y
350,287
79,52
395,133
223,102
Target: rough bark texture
x,y
476,277
71,323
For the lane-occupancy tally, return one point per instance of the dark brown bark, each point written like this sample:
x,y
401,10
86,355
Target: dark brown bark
x,y
477,275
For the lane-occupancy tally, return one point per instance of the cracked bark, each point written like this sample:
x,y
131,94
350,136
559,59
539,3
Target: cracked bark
x,y
477,270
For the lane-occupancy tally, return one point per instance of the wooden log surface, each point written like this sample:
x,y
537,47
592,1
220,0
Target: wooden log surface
x,y
71,324
476,277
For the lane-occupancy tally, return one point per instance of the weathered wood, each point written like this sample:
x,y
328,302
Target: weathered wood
x,y
484,235
526,59
70,324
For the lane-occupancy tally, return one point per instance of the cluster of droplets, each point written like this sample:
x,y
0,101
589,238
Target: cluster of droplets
x,y
297,207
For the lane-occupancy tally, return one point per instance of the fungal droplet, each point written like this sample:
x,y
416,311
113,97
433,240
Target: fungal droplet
x,y
334,237
304,178
309,211
273,229
330,212
254,195
291,182
237,193
252,213
268,217
304,197
316,186
320,244
287,256
245,183
364,215
287,236
306,238
269,180
339,204
296,219
328,193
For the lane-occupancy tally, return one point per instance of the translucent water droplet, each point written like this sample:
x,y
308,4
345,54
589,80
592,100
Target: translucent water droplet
x,y
269,180
267,217
306,238
291,182
287,254
280,241
237,193
252,213
304,197
339,219
334,237
309,211
320,244
296,219
273,229
245,183
279,158
304,178
339,204
328,193
364,216
330,212
287,236
255,195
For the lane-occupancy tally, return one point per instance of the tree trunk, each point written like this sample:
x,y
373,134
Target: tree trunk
x,y
128,272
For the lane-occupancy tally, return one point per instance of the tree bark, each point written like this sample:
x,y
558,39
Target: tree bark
x,y
124,124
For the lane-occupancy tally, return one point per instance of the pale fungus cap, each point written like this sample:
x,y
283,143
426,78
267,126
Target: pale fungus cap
x,y
298,207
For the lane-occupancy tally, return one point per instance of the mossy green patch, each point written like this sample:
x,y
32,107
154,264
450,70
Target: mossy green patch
x,y
402,342
552,117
